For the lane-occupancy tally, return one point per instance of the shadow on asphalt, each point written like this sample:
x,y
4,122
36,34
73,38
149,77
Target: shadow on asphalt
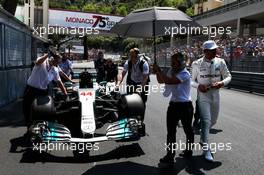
x,y
127,168
194,165
21,145
12,115
215,131
212,131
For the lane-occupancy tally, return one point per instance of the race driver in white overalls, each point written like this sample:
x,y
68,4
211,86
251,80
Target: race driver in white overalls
x,y
209,74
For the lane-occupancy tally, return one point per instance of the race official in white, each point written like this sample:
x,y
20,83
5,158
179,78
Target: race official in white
x,y
209,74
45,70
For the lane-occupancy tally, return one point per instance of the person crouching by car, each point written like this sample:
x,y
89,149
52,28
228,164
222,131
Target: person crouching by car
x,y
178,86
44,71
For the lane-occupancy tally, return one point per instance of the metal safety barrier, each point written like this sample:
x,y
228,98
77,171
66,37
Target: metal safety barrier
x,y
248,81
251,82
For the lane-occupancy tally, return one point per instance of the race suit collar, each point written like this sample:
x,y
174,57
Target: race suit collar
x,y
208,60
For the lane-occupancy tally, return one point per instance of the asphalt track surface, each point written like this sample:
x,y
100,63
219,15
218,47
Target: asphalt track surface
x,y
240,123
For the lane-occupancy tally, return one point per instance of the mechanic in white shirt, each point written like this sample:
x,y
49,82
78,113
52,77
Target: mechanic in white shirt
x,y
209,74
44,71
178,86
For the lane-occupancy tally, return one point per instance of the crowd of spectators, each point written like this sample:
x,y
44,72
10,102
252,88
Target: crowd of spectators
x,y
93,53
240,47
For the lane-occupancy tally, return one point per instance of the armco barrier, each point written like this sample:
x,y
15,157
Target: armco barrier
x,y
248,81
251,82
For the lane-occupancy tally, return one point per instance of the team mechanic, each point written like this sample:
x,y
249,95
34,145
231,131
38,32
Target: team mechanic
x,y
209,74
138,75
44,71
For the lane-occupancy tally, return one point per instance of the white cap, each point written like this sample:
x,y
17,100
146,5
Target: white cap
x,y
210,45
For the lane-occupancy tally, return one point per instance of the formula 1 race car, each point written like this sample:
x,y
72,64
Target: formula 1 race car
x,y
88,107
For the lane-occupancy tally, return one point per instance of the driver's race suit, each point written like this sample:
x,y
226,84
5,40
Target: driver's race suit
x,y
206,72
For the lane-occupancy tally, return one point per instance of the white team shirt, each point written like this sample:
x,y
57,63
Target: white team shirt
x,y
42,75
179,92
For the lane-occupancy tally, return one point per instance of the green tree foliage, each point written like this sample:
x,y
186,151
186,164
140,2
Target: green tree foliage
x,y
38,2
104,9
72,7
190,11
121,7
121,10
171,3
89,7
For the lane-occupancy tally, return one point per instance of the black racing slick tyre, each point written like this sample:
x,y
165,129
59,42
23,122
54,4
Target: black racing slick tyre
x,y
42,108
131,106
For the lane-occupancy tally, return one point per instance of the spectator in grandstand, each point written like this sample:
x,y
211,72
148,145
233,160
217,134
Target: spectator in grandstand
x,y
192,55
249,46
238,52
262,52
